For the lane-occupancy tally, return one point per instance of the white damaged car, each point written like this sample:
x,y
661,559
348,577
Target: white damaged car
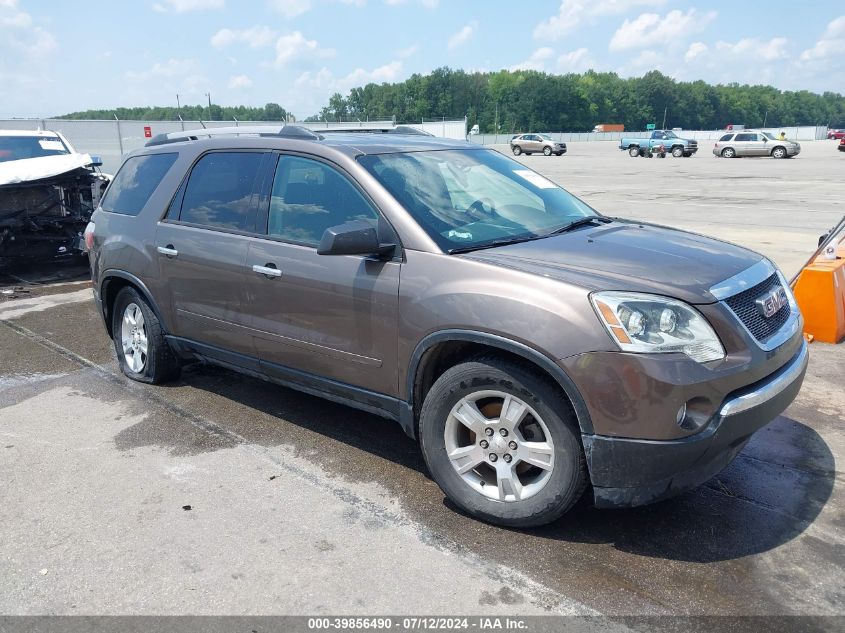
x,y
47,194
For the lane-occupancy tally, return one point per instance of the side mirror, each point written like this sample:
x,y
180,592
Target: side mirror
x,y
357,237
96,161
765,139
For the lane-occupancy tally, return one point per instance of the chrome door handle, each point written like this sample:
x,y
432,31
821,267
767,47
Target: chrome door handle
x,y
267,271
168,250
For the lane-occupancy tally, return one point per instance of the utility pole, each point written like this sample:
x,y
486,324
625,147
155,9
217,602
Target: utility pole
x,y
178,105
663,127
765,118
208,94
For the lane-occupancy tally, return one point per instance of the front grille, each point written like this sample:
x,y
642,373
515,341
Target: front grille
x,y
744,306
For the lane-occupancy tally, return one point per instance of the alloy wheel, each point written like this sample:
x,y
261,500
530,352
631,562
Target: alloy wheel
x,y
499,445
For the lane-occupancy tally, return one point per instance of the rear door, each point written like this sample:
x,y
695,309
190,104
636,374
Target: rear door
x,y
743,144
202,247
331,317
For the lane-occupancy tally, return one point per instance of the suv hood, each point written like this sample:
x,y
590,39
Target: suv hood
x,y
628,256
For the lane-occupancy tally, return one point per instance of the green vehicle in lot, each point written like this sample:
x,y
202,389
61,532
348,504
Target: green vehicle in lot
x,y
667,138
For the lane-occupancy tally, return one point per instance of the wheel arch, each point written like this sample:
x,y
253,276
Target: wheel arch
x,y
113,281
441,350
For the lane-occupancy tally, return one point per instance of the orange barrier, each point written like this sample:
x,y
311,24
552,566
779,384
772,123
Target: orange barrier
x,y
820,292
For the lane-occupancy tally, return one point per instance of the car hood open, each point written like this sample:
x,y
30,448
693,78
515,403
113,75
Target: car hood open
x,y
628,256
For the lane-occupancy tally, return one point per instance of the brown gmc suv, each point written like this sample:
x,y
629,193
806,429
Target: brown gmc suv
x,y
535,348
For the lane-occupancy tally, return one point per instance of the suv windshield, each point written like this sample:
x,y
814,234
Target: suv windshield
x,y
467,199
769,136
19,147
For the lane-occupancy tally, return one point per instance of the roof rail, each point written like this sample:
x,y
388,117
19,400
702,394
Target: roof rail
x,y
285,131
377,129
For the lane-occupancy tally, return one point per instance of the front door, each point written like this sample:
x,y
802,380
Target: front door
x,y
202,248
333,317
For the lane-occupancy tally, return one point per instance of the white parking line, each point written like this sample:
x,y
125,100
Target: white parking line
x,y
17,308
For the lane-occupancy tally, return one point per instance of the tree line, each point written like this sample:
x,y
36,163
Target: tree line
x,y
269,112
520,101
528,100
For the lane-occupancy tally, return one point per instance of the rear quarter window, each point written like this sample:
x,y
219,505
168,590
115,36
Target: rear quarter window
x,y
726,138
135,183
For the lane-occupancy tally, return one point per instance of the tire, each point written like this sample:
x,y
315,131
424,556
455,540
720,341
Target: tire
x,y
779,152
517,150
529,495
729,152
159,364
678,151
547,151
633,151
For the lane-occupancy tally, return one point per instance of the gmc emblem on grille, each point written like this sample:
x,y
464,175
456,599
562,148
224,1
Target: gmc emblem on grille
x,y
770,303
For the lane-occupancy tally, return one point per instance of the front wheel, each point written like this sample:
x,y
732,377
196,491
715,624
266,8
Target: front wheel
x,y
677,152
779,152
142,351
502,443
517,150
547,151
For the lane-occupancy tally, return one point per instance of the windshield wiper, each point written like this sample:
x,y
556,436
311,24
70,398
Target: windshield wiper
x,y
498,242
580,222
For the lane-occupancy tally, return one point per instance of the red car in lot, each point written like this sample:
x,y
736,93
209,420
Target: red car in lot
x,y
836,134
841,147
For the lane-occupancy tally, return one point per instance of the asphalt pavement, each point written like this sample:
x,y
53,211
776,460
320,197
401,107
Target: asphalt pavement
x,y
223,494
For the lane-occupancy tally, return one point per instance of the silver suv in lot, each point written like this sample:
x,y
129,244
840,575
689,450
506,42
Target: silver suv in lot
x,y
753,143
531,143
534,347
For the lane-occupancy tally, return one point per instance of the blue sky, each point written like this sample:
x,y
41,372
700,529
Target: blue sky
x,y
57,57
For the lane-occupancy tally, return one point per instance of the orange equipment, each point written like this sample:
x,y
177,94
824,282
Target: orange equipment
x,y
820,292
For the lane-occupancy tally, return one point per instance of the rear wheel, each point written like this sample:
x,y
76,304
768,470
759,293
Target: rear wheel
x,y
779,152
677,151
142,351
728,152
547,151
502,443
633,152
517,150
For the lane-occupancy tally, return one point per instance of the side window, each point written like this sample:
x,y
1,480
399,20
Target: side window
x,y
744,137
308,197
135,183
219,191
725,138
657,135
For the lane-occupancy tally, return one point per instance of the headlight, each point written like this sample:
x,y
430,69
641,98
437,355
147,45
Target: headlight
x,y
655,324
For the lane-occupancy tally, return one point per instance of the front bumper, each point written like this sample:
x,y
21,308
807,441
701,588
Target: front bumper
x,y
631,472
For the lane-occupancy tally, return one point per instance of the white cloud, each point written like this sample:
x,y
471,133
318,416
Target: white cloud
x,y
255,37
239,81
184,6
170,68
290,8
360,77
408,52
649,29
573,12
428,4
537,61
696,49
575,61
294,46
463,36
356,3
829,49
20,36
752,48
